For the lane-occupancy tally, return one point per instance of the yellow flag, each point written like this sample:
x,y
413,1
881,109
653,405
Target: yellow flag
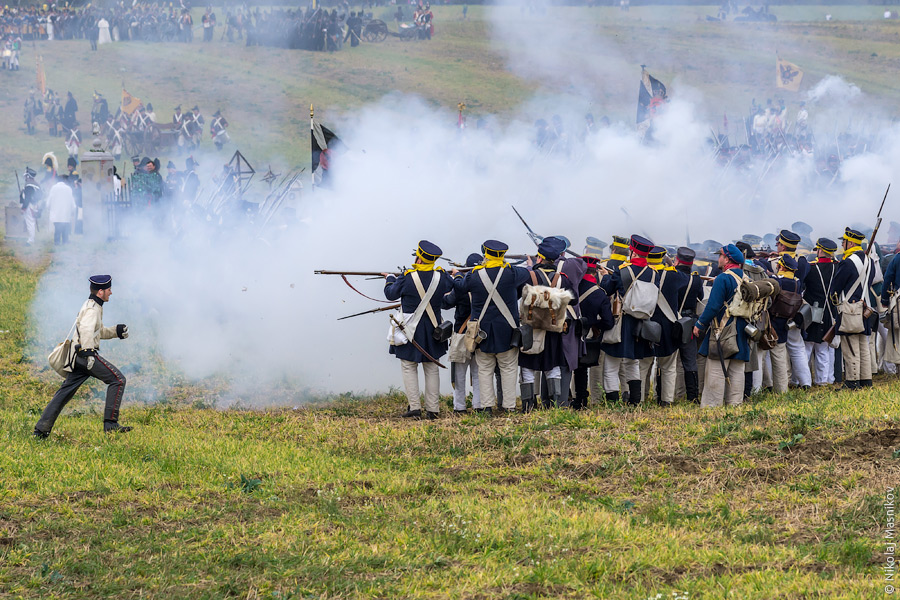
x,y
129,102
787,75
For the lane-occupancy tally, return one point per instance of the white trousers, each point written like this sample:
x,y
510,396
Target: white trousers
x,y
432,385
30,222
796,349
459,391
611,375
716,390
508,362
824,357
528,374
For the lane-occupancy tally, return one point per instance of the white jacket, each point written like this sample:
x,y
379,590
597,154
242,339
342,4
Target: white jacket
x,y
61,203
89,326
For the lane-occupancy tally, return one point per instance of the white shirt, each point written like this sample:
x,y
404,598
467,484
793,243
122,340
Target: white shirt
x,y
61,203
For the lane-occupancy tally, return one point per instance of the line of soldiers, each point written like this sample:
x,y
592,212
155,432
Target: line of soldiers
x,y
644,318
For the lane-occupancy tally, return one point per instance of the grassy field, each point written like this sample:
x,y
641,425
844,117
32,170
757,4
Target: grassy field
x,y
780,498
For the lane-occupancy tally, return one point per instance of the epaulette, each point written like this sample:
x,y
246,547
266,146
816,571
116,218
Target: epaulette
x,y
627,263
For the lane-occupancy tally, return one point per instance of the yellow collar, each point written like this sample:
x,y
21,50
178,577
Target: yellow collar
x,y
852,249
492,261
422,267
786,274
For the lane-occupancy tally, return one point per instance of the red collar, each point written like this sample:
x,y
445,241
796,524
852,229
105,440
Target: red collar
x,y
639,261
589,277
825,260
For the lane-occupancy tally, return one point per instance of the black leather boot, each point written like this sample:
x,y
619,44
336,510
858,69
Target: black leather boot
x,y
612,397
634,392
433,415
412,414
692,386
528,403
748,385
114,427
864,383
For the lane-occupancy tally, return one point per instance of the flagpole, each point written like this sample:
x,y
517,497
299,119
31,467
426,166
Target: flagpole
x,y
312,141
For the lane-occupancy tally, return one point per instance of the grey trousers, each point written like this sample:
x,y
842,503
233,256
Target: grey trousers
x,y
410,371
717,390
508,362
856,352
95,366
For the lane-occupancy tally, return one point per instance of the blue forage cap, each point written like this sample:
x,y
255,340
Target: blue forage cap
x,y
428,252
788,262
551,247
101,281
494,248
474,260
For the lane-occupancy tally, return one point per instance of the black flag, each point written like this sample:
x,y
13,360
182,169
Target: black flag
x,y
652,93
324,144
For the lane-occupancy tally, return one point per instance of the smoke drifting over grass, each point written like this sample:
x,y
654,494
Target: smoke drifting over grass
x,y
248,313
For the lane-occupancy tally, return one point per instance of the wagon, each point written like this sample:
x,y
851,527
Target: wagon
x,y
375,30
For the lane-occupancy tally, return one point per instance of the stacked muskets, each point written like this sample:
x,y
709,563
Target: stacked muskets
x,y
290,184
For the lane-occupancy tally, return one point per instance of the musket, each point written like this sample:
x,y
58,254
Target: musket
x,y
18,185
360,273
537,239
534,237
877,221
414,343
374,310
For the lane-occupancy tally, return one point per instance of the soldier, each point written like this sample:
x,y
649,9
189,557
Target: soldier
x,y
596,311
420,291
89,330
848,291
494,291
178,118
691,292
618,253
665,351
33,108
217,130
52,116
787,269
462,304
724,381
190,183
815,293
630,349
173,182
552,361
786,244
30,200
68,118
62,208
593,248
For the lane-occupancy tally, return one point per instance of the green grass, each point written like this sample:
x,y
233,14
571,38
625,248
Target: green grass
x,y
347,500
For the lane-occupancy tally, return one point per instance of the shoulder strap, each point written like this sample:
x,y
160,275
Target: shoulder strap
x,y
491,287
587,293
687,291
664,304
863,270
425,297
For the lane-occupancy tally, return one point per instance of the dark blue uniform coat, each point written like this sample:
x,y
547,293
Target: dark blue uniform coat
x,y
845,279
630,346
499,333
404,289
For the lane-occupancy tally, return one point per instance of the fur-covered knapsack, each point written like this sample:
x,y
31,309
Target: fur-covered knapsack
x,y
543,306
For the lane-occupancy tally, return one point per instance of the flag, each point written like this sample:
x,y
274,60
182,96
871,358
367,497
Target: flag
x,y
787,75
651,96
129,102
41,76
324,142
